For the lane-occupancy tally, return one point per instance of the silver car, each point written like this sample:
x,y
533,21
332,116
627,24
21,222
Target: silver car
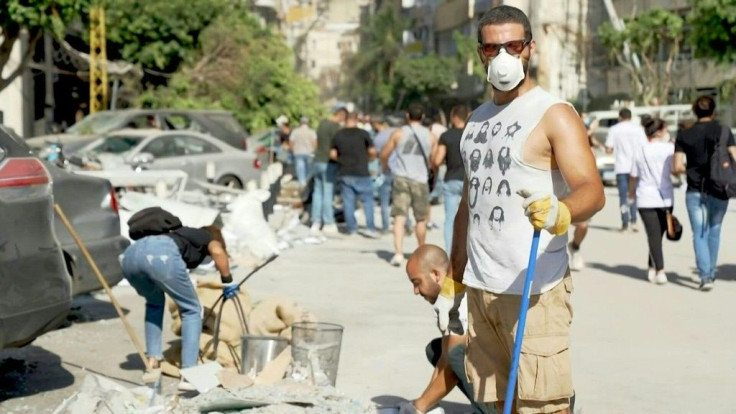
x,y
200,156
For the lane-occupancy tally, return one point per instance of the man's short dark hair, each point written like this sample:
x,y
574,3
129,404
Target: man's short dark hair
x,y
460,111
624,113
704,106
504,14
341,111
415,112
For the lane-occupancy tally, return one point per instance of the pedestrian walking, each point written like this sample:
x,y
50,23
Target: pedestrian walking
x,y
706,207
651,187
624,141
352,149
158,264
383,133
303,142
413,146
325,175
540,152
448,152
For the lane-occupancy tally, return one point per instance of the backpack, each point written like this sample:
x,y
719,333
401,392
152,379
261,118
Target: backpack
x,y
722,168
152,221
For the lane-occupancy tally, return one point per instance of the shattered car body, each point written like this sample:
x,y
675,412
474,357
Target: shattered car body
x,y
200,156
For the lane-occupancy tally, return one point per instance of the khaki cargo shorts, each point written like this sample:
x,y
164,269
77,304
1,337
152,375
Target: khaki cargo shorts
x,y
545,378
406,194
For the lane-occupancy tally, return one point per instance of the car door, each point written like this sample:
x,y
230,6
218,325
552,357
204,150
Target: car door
x,y
182,152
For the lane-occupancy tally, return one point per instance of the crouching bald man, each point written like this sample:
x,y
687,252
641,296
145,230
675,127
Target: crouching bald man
x,y
427,269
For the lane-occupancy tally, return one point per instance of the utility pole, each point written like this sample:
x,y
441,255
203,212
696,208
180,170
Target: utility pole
x,y
98,59
48,104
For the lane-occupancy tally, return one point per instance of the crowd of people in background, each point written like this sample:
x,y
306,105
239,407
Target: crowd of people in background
x,y
394,161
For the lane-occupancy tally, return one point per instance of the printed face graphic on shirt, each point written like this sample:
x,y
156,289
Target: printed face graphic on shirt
x,y
496,219
496,129
504,189
473,191
475,160
504,159
488,160
487,186
470,134
482,137
512,129
476,219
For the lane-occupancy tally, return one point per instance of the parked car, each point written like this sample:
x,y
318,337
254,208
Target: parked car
x,y
219,124
35,289
91,206
191,152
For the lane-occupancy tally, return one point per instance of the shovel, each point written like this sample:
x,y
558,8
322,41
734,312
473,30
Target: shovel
x,y
511,387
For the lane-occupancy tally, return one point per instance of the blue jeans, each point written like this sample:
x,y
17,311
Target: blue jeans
x,y
384,195
706,215
353,187
153,266
628,211
325,175
453,191
302,162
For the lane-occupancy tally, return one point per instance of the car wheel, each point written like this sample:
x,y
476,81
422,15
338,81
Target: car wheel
x,y
230,181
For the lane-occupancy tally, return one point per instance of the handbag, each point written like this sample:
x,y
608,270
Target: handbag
x,y
674,228
431,181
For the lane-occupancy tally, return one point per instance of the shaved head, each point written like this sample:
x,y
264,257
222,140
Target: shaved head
x,y
426,268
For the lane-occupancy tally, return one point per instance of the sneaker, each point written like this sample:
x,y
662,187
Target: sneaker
x,y
706,285
330,229
576,259
185,385
623,229
432,226
652,275
397,260
634,228
661,278
315,229
371,234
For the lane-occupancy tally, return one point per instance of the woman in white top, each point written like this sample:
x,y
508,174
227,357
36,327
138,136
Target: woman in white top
x,y
651,168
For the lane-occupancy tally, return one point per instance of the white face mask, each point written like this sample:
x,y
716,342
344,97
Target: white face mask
x,y
505,71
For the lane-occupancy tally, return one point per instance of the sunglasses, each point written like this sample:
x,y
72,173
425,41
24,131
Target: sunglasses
x,y
514,47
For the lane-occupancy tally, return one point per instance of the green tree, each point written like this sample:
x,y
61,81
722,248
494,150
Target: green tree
x,y
654,39
371,71
159,34
425,77
34,17
242,67
713,29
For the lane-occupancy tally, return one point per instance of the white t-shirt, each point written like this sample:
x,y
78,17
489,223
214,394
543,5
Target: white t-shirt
x,y
652,164
625,138
463,311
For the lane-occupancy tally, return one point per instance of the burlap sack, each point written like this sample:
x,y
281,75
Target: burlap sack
x,y
274,317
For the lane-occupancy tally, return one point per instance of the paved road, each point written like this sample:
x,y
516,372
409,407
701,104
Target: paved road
x,y
637,347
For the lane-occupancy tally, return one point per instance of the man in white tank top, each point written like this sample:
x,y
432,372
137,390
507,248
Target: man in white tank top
x,y
528,166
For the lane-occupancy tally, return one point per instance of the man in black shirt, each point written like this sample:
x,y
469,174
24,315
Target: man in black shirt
x,y
353,148
705,207
448,152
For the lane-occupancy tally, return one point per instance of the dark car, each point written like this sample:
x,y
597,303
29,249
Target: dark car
x,y
91,206
35,289
219,124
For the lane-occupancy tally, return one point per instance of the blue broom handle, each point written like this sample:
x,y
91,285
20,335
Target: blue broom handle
x,y
511,387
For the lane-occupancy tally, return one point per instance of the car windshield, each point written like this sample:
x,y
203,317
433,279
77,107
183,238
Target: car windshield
x,y
116,144
96,123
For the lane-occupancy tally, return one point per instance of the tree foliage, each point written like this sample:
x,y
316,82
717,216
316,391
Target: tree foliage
x,y
33,16
242,67
654,38
713,29
159,34
428,76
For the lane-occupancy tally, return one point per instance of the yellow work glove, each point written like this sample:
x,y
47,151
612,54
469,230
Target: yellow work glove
x,y
447,306
546,212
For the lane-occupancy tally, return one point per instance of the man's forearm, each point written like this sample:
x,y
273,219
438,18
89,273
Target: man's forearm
x,y
459,250
443,381
585,201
